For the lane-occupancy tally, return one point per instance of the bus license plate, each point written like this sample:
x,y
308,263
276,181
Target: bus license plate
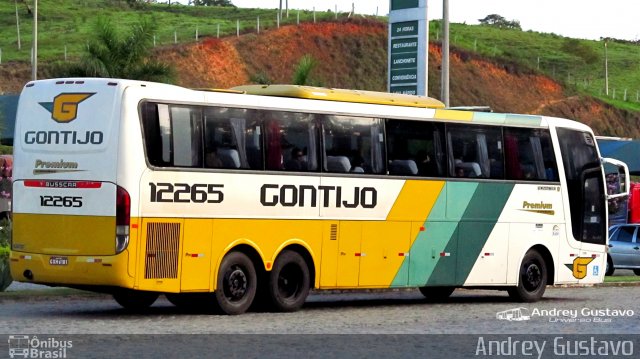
x,y
58,261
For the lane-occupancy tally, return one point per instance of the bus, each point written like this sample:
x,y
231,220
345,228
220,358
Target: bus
x,y
253,196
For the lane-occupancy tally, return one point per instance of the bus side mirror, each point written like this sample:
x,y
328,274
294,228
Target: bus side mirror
x,y
617,178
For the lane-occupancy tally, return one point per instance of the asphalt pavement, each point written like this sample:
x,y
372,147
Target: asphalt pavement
x,y
20,286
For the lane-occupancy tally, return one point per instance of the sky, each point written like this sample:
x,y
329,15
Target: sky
x,y
584,19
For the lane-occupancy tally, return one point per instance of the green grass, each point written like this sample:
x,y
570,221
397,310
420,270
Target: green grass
x,y
545,53
70,23
6,150
629,105
621,278
5,238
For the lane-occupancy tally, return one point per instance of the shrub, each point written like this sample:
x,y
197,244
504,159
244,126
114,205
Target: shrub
x,y
5,239
580,49
5,224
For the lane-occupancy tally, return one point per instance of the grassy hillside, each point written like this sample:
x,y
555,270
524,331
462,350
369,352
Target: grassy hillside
x,y
70,23
353,54
579,64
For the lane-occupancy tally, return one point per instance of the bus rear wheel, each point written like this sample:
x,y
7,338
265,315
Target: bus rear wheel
x,y
289,282
436,294
237,283
532,279
135,300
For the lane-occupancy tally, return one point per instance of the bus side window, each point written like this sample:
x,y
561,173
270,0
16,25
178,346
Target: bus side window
x,y
353,144
158,154
475,151
414,148
529,155
232,139
172,135
291,141
186,136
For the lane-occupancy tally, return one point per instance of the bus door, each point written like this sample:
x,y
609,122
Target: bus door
x,y
587,206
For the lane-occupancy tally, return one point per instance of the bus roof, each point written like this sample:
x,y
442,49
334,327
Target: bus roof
x,y
342,95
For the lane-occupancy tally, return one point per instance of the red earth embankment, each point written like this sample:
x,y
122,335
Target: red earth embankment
x,y
353,54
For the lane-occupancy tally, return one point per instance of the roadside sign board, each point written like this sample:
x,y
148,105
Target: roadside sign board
x,y
408,47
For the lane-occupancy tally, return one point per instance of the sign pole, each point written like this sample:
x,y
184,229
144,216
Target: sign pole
x,y
34,66
444,95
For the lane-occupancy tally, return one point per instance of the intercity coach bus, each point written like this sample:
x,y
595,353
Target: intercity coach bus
x,y
255,195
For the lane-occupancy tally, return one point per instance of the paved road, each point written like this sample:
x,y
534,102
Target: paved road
x,y
397,325
402,312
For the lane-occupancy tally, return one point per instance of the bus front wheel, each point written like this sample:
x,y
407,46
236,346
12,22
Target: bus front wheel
x,y
532,279
289,282
135,300
237,283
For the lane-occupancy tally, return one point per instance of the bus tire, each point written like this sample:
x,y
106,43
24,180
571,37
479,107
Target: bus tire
x,y
610,267
236,283
437,294
636,271
532,279
289,282
135,300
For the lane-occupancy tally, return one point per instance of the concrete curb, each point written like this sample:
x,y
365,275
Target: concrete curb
x,y
619,284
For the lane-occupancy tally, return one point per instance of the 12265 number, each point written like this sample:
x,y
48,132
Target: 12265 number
x,y
186,193
60,201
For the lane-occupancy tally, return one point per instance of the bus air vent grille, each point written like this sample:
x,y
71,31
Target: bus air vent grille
x,y
334,232
163,244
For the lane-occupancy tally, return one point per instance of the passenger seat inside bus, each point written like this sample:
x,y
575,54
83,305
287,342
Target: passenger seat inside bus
x,y
403,167
338,164
229,157
471,169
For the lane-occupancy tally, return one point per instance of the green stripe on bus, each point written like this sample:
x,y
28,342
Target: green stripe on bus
x,y
439,227
489,117
479,219
523,120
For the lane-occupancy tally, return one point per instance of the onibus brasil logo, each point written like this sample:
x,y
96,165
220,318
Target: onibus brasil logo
x,y
64,107
23,346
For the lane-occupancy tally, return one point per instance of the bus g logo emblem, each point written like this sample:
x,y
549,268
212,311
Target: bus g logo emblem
x,y
64,107
579,267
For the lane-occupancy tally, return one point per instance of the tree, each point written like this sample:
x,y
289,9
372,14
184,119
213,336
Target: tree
x,y
303,70
499,21
111,55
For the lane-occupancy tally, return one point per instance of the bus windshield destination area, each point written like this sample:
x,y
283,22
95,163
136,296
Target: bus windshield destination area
x,y
223,199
